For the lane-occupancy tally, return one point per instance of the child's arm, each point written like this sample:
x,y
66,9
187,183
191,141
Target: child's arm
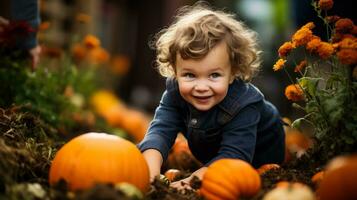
x,y
154,160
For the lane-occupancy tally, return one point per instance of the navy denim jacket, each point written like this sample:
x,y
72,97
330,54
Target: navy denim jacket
x,y
244,126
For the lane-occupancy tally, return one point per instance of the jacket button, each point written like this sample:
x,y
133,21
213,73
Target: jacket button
x,y
194,121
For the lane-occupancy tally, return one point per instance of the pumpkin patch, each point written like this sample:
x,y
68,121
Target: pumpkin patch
x,y
71,121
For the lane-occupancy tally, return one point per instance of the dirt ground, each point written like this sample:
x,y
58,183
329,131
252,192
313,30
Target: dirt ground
x,y
25,158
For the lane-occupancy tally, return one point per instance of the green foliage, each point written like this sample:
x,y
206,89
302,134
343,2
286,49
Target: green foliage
x,y
42,90
331,107
329,85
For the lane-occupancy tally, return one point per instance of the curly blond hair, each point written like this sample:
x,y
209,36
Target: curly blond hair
x,y
196,30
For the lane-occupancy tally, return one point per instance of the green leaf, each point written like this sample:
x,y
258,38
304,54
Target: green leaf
x,y
297,123
295,105
309,84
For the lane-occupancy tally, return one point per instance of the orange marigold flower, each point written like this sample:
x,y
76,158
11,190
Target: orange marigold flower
x,y
325,50
347,56
294,92
313,44
344,25
337,37
90,41
285,49
325,4
279,64
300,66
98,55
348,43
79,51
302,36
309,25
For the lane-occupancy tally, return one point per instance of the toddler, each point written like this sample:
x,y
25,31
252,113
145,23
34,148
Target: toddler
x,y
209,58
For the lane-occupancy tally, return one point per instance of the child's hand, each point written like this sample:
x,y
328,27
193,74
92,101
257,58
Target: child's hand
x,y
35,56
182,184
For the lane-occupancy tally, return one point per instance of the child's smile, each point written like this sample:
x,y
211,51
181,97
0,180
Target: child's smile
x,y
204,83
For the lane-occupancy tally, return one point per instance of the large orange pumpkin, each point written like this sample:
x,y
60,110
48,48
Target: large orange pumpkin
x,y
228,179
99,158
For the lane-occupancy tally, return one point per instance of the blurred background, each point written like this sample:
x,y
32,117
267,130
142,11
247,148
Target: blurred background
x,y
125,28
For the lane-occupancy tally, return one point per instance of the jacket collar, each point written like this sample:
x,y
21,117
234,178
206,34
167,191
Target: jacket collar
x,y
239,95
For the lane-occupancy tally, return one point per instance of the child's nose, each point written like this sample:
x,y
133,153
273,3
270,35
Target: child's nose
x,y
201,86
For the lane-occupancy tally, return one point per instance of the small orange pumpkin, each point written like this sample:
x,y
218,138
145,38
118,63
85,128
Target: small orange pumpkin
x,y
317,177
340,179
266,167
228,179
99,158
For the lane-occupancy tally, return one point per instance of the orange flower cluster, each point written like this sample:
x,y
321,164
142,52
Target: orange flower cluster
x,y
303,35
279,64
294,92
325,4
344,25
91,42
89,49
285,49
342,44
347,49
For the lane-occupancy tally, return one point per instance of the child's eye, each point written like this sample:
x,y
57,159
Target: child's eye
x,y
188,75
215,75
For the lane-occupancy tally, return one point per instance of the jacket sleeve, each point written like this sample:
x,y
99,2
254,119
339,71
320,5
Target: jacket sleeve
x,y
27,10
164,127
239,136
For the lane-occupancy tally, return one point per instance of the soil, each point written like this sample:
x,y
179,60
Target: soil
x,y
161,191
25,158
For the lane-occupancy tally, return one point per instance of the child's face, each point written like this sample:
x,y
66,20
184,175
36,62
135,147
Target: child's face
x,y
204,83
